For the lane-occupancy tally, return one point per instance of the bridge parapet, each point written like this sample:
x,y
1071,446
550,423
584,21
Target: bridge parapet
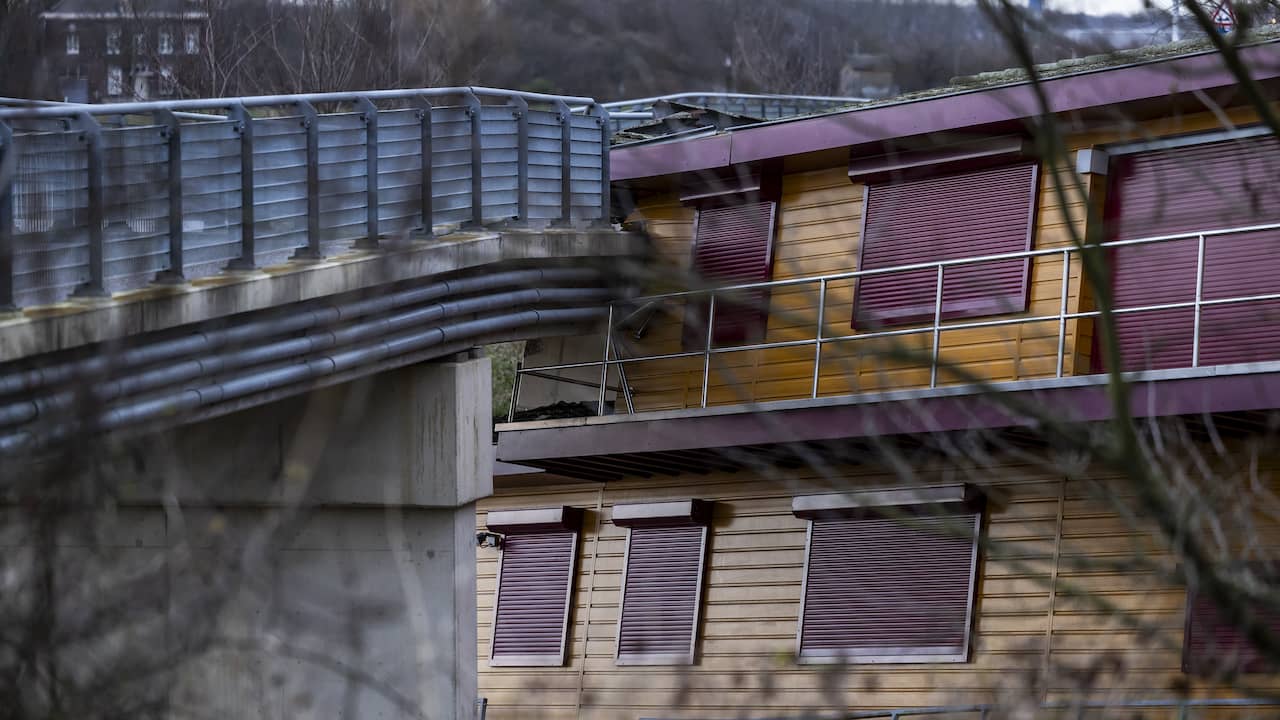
x,y
96,200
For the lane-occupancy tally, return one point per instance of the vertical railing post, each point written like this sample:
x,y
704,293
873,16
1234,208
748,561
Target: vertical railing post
x,y
91,137
474,111
604,364
1195,327
1062,309
521,113
565,116
369,111
428,192
937,329
311,125
706,352
601,115
817,338
515,391
172,134
244,128
8,182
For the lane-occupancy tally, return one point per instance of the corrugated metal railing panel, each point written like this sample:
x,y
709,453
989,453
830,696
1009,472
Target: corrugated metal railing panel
x,y
137,206
544,165
585,170
342,180
399,171
313,177
279,187
451,164
211,196
499,144
51,239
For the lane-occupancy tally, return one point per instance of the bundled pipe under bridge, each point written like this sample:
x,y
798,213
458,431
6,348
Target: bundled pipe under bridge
x,y
97,199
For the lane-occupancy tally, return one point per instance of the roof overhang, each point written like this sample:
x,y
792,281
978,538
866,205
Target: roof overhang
x,y
1144,88
732,437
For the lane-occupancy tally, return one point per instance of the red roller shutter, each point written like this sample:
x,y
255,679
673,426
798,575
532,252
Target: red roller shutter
x,y
1189,190
969,214
733,244
535,583
881,589
662,581
1213,645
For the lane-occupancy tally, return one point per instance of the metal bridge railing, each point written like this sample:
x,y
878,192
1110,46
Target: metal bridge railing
x,y
611,361
96,199
1176,709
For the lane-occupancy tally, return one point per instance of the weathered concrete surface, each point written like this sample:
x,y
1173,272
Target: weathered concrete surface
x,y
71,324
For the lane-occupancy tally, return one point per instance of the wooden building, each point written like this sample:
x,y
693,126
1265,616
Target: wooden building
x,y
855,486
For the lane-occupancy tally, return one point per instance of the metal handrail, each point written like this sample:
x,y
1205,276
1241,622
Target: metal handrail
x,y
1183,706
101,206
936,327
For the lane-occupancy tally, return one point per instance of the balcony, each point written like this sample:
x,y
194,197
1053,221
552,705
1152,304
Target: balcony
x,y
822,380
107,199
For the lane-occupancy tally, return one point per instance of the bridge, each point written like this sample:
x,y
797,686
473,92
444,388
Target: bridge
x,y
270,306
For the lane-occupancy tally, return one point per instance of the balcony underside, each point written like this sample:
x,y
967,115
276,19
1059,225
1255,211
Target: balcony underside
x,y
1226,400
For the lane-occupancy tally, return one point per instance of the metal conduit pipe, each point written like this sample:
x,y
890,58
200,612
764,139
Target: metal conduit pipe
x,y
314,341
328,313
184,401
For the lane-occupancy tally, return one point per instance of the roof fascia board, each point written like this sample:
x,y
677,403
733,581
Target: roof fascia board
x,y
957,111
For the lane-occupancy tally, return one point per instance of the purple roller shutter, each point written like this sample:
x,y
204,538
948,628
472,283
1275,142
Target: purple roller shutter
x,y
532,606
1189,190
969,214
889,589
660,598
1213,645
733,244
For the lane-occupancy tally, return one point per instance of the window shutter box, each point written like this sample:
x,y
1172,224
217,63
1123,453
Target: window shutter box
x,y
886,582
535,585
1193,189
963,215
1215,646
733,245
662,584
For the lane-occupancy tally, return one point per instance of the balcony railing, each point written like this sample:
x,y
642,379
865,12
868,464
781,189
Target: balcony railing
x,y
612,364
96,199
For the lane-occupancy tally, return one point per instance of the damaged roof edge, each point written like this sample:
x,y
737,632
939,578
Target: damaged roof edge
x,y
953,110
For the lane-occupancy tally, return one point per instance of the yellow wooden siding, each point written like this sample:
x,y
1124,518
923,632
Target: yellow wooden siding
x,y
819,221
1047,574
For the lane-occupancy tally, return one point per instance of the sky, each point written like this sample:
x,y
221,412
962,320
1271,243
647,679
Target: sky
x,y
1097,7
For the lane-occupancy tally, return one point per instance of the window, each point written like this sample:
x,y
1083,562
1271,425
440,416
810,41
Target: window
x,y
889,575
166,42
113,41
168,84
535,582
139,44
73,40
115,81
732,244
968,214
1217,646
192,41
662,581
142,85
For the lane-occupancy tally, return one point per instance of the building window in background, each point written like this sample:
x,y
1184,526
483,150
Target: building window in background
x,y
113,41
166,42
73,40
139,43
192,41
115,80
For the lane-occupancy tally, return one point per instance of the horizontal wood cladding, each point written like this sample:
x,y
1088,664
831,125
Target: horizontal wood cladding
x,y
819,220
1050,592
